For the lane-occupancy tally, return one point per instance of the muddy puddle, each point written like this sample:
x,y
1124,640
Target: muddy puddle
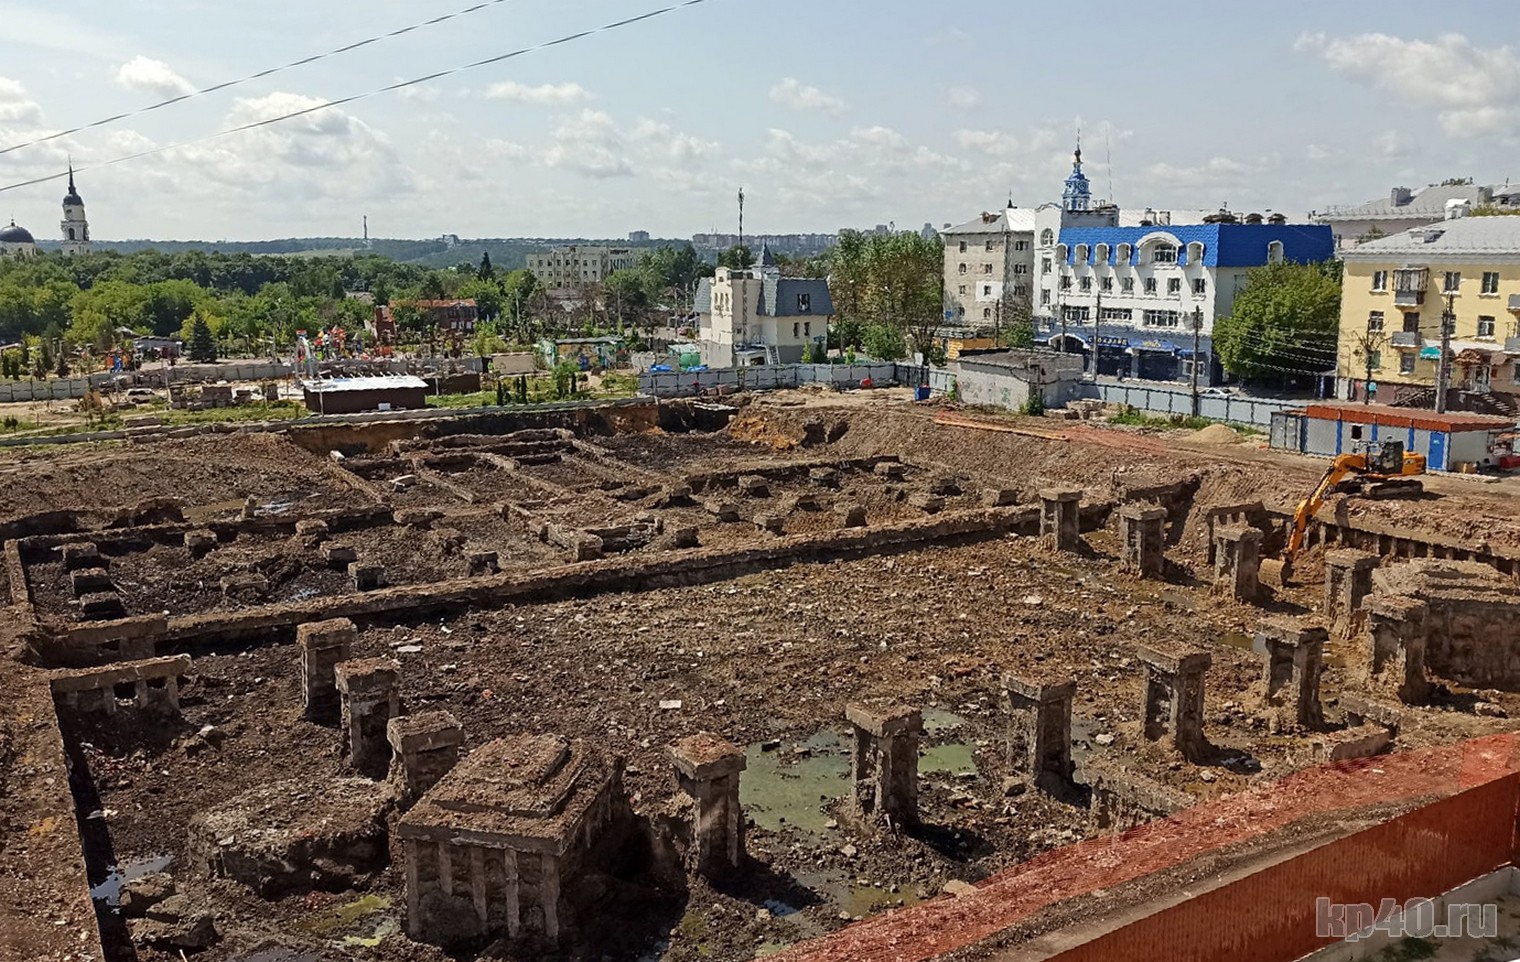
x,y
108,891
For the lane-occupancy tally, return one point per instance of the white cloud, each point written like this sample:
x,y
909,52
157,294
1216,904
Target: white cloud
x,y
673,144
1473,89
589,143
544,94
986,141
1215,171
798,96
22,120
1320,152
152,76
327,153
963,98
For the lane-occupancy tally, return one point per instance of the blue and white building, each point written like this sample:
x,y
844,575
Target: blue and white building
x,y
1130,295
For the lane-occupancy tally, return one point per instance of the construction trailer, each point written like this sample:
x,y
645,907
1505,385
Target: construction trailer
x,y
1453,441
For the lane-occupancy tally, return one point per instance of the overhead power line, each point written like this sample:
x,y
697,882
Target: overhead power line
x,y
341,101
346,48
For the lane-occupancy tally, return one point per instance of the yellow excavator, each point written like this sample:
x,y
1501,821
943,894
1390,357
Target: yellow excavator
x,y
1381,471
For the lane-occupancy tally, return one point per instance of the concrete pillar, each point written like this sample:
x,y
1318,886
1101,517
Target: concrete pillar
x,y
707,769
371,693
323,644
1142,539
885,761
1348,581
1237,562
1295,660
1397,628
1060,518
1039,743
427,745
1173,707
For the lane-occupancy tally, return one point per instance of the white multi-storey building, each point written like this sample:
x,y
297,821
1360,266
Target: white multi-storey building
x,y
989,265
1130,296
578,266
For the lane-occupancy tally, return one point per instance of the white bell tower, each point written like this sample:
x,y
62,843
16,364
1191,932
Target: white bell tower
x,y
76,229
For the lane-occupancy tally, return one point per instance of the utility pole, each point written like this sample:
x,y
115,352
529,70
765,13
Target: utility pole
x,y
741,218
1097,334
1197,334
1443,368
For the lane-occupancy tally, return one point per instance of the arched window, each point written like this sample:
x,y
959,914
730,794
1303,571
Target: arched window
x,y
1061,252
1081,253
1195,252
1275,252
1102,254
1124,253
1164,254
1047,237
71,233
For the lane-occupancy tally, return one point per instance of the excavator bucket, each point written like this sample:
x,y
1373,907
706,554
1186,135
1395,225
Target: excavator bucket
x,y
1274,573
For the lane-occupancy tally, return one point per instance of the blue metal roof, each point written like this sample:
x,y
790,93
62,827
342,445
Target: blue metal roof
x,y
1224,245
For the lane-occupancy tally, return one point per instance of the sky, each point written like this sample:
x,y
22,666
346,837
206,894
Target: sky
x,y
827,113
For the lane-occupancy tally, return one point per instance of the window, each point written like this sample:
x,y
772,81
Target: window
x,y
1275,252
1164,254
986,313
1047,237
1485,326
1021,268
1045,301
1200,286
1375,360
1115,314
1374,321
1380,280
989,247
1411,321
1087,283
986,268
1021,245
1127,285
1124,253
1101,253
804,303
963,268
1045,266
963,247
1453,282
1406,363
1162,318
986,290
1490,282
807,328
1108,284
1078,315
963,288
1150,285
1020,290
1065,282
1174,287
1082,253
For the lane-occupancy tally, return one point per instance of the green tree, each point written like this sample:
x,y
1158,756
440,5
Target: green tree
x,y
202,344
883,342
486,272
1284,323
737,257
627,294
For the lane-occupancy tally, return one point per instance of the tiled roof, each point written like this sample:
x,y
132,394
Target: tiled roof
x,y
1224,245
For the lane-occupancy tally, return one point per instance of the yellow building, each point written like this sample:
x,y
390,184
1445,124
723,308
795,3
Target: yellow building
x,y
1395,293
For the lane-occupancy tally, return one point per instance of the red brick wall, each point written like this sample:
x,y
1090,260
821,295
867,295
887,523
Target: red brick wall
x,y
1466,829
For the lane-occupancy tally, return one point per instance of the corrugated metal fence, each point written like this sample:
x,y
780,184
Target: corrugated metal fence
x,y
1171,400
763,377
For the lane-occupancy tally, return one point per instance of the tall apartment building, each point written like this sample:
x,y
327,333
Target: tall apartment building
x,y
1393,298
577,265
989,265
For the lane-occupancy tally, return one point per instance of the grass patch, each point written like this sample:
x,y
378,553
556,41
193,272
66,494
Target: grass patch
x,y
1137,418
260,411
478,399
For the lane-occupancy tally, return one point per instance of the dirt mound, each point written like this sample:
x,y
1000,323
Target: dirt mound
x,y
761,427
1216,434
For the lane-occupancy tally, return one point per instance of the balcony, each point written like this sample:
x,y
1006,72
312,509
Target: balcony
x,y
1405,339
1512,345
1408,298
1514,302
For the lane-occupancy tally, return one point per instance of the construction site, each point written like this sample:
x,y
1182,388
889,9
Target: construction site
x,y
801,676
